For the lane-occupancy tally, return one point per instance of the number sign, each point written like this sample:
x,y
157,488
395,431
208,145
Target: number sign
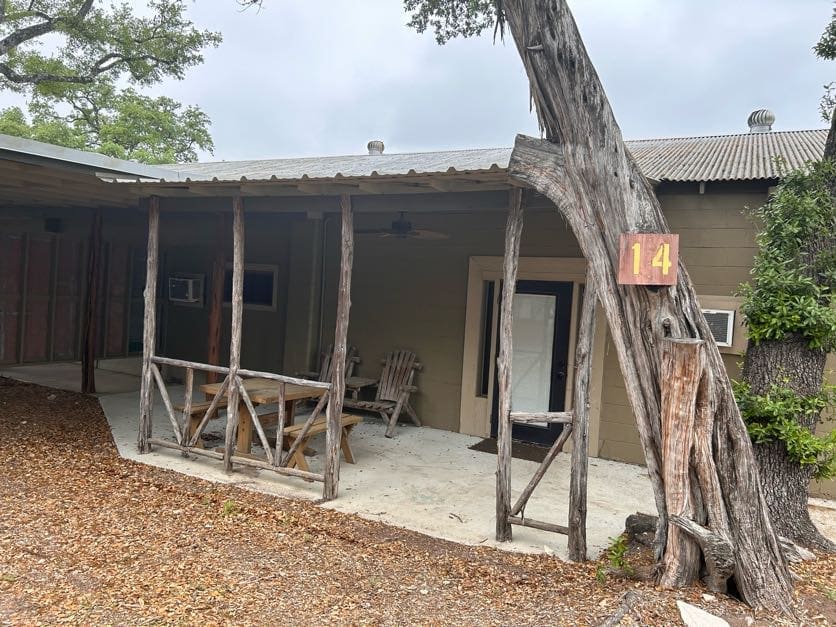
x,y
648,258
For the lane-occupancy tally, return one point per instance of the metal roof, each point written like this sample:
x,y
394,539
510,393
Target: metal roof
x,y
394,164
39,153
747,156
715,158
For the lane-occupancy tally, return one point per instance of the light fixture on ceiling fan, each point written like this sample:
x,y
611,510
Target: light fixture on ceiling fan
x,y
402,229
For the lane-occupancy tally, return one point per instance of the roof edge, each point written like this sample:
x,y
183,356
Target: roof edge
x,y
41,153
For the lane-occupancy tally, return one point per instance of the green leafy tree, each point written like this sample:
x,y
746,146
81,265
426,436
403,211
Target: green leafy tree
x,y
71,57
789,310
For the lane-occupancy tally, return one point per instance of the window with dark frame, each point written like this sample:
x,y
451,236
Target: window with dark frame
x,y
259,287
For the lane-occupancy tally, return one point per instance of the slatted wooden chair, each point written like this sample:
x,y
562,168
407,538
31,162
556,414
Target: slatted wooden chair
x,y
324,372
393,390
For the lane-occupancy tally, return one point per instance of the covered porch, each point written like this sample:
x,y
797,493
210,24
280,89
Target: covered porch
x,y
427,480
444,300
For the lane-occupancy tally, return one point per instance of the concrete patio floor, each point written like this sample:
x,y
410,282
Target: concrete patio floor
x,y
426,480
112,375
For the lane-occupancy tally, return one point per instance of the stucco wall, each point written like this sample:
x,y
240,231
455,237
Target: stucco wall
x,y
412,294
717,245
187,243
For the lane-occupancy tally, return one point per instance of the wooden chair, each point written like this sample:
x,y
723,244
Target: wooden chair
x,y
324,372
393,390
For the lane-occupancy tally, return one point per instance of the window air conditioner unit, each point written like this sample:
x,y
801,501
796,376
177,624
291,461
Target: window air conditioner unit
x,y
185,289
721,323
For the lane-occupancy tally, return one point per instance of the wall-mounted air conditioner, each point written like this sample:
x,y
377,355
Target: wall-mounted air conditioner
x,y
182,289
721,323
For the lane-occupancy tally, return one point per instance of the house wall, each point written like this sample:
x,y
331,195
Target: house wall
x,y
717,245
412,294
187,244
43,278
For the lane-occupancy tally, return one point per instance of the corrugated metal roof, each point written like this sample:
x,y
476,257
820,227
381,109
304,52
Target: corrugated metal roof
x,y
394,164
746,156
715,158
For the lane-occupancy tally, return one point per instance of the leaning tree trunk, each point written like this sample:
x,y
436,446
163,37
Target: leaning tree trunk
x,y
585,169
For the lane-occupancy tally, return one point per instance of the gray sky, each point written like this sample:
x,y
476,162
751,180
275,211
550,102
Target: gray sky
x,y
323,77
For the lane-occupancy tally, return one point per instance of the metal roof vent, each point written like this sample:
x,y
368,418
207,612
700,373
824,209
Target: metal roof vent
x,y
761,121
375,147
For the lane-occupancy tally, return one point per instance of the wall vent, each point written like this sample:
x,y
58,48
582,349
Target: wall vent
x,y
721,323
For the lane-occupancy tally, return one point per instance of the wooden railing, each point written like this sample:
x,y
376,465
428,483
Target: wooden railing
x,y
186,439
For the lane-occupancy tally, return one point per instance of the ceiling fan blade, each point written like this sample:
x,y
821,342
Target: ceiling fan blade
x,y
427,234
372,231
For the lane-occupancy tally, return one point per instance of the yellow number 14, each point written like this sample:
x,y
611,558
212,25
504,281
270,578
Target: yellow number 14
x,y
662,258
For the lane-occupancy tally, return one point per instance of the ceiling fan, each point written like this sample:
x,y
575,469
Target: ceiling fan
x,y
402,229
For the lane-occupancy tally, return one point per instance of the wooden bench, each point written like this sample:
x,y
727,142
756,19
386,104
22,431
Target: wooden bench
x,y
291,432
196,414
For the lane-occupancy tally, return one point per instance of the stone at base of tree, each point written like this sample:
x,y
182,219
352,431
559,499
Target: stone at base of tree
x,y
694,616
641,528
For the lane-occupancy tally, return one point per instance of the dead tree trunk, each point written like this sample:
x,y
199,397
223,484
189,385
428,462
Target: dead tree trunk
x,y
335,399
585,169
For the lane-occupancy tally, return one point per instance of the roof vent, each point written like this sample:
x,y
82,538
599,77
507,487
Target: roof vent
x,y
375,147
761,121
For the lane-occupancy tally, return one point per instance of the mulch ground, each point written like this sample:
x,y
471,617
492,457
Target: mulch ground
x,y
87,537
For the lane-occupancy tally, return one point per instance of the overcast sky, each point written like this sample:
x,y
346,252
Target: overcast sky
x,y
325,76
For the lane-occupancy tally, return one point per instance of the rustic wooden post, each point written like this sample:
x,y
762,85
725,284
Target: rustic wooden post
x,y
216,297
232,410
580,430
682,363
335,401
149,325
91,311
513,231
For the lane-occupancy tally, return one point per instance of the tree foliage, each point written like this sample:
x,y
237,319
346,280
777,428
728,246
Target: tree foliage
x,y
73,58
122,124
826,49
794,273
453,18
91,39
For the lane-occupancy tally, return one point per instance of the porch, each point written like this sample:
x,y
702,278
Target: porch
x,y
425,480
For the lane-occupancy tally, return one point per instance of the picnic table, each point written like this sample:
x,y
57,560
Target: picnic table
x,y
263,392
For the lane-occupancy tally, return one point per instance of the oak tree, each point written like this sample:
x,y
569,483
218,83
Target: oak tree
x,y
72,59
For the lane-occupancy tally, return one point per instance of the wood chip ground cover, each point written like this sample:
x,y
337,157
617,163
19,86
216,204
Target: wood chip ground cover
x,y
87,537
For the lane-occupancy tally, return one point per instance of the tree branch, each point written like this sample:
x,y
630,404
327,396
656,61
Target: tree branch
x,y
38,78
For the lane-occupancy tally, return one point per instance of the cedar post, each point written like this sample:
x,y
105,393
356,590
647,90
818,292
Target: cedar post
x,y
335,400
213,341
91,312
513,231
682,363
149,325
235,337
580,430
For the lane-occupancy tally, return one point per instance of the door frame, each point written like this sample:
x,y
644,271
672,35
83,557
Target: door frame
x,y
561,340
474,414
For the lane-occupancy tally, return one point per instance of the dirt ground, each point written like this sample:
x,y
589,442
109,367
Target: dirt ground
x,y
89,538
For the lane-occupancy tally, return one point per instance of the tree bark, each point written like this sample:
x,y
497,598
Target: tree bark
x,y
788,363
216,298
585,169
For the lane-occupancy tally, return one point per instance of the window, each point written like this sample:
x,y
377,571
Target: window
x,y
260,282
